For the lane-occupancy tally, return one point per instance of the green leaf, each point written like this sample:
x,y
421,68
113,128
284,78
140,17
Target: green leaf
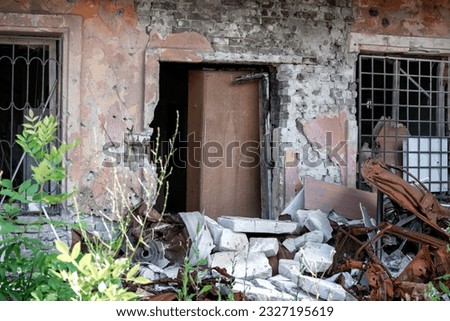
x,y
85,260
6,228
6,183
32,189
141,280
76,250
20,198
205,289
7,192
24,186
132,272
62,247
65,258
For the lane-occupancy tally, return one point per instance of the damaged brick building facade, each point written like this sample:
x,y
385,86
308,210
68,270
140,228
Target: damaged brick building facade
x,y
122,60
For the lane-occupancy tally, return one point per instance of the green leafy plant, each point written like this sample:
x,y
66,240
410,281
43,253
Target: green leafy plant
x,y
435,294
97,278
191,281
26,263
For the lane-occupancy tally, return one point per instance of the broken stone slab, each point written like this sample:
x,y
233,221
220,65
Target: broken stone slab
x,y
257,225
242,265
172,272
152,271
282,283
297,203
267,245
300,295
264,283
215,229
289,244
348,279
316,257
324,289
342,221
318,288
314,236
290,269
202,241
232,241
256,293
315,220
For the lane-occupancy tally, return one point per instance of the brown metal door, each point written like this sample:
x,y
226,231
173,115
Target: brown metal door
x,y
223,174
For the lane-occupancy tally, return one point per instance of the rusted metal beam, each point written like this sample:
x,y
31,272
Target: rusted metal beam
x,y
417,200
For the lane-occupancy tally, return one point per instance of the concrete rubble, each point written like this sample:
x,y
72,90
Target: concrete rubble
x,y
256,225
244,246
305,255
316,257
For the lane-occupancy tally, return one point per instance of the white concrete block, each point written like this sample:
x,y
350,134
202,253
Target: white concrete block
x,y
172,272
202,242
316,257
232,241
242,265
257,225
300,216
323,289
318,220
267,245
282,283
289,269
289,244
152,272
255,293
300,295
314,236
215,229
264,283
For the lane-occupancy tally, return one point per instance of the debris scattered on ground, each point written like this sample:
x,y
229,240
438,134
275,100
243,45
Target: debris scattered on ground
x,y
306,255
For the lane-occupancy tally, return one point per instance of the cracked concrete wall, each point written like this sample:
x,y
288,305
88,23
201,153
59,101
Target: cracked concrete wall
x,y
305,41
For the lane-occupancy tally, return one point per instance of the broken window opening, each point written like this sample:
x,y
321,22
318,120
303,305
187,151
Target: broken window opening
x,y
403,116
29,80
178,86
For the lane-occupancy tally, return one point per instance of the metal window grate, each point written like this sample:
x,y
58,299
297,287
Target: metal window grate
x,y
403,116
30,70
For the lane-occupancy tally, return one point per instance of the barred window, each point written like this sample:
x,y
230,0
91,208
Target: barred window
x,y
30,73
403,116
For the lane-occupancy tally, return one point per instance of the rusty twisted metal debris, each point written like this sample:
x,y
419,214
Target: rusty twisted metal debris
x,y
417,199
432,260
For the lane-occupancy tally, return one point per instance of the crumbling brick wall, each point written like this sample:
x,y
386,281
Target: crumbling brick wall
x,y
304,40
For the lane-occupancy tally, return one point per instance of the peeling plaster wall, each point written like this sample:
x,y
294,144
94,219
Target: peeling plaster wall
x,y
112,76
110,81
123,42
426,18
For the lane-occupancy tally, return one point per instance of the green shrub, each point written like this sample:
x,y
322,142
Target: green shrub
x,y
26,264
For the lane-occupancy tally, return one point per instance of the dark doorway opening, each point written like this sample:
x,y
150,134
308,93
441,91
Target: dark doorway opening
x,y
173,96
174,91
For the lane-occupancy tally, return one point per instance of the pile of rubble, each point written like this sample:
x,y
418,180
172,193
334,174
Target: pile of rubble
x,y
262,259
304,255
